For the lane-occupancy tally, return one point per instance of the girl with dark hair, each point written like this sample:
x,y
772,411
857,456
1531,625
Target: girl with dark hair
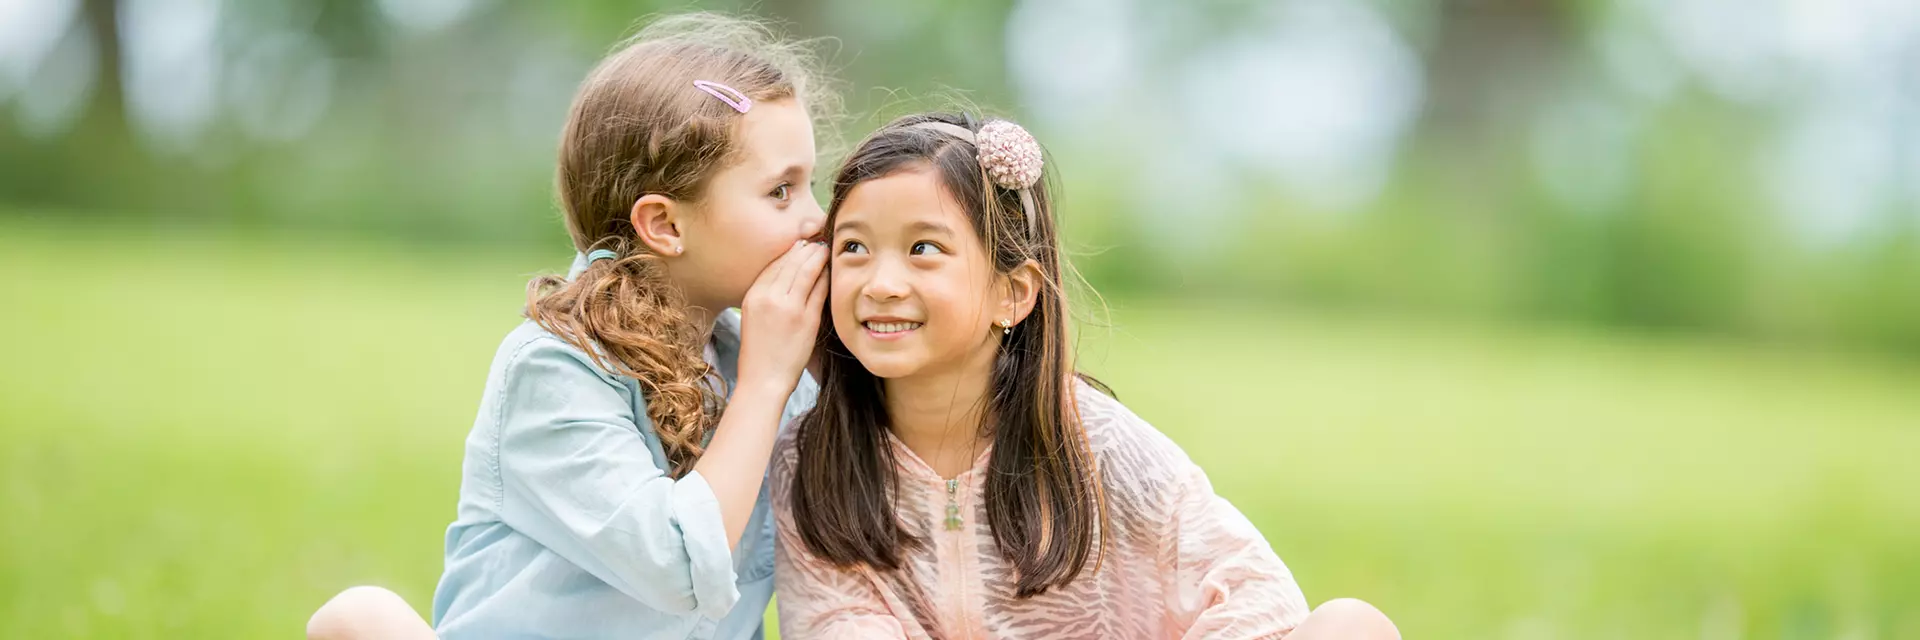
x,y
958,477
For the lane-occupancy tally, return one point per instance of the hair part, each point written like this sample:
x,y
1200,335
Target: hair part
x,y
1044,499
638,126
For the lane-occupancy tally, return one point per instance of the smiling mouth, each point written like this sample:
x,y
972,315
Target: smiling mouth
x,y
891,328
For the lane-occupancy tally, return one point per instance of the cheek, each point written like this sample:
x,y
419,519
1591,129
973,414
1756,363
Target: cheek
x,y
756,253
841,290
749,224
957,305
765,238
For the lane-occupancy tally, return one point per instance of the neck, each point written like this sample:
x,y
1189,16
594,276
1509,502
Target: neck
x,y
939,414
699,311
704,319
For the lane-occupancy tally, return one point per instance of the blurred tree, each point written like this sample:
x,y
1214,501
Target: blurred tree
x,y
395,119
105,113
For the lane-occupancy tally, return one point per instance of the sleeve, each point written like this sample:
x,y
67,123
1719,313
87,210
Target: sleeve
x,y
577,477
816,598
1228,581
805,393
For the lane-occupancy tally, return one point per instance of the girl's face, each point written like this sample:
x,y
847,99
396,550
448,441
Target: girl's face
x,y
912,291
755,208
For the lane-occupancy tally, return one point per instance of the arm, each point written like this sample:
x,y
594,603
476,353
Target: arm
x,y
818,599
577,476
735,462
1229,583
778,322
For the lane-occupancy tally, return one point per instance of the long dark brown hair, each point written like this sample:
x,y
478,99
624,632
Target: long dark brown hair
x,y
639,126
1043,495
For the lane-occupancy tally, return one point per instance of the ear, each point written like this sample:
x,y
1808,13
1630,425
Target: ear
x,y
1020,290
657,221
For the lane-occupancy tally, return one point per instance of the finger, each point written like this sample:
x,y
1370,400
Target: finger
x,y
797,265
817,297
809,269
777,274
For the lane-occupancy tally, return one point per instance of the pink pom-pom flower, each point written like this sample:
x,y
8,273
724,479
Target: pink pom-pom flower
x,y
1009,154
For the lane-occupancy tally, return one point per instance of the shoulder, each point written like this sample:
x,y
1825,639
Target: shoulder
x,y
530,343
534,361
1142,470
1122,439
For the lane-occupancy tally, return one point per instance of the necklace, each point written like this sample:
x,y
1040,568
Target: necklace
x,y
953,504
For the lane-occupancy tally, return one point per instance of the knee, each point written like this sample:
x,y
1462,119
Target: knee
x,y
1357,619
353,611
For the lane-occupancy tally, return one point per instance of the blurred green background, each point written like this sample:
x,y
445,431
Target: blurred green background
x,y
1520,319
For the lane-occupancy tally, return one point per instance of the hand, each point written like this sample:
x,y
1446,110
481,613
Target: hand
x,y
780,317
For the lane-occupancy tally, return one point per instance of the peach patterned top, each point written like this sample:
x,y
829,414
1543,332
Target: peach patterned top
x,y
1181,562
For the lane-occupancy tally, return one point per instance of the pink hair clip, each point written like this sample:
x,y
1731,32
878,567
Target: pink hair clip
x,y
739,101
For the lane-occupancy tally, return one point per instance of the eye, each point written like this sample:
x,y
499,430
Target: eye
x,y
852,246
924,248
782,192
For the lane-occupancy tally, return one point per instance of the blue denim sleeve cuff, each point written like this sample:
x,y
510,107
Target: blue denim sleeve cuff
x,y
697,512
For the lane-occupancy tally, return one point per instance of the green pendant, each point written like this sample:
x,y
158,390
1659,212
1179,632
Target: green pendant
x,y
953,504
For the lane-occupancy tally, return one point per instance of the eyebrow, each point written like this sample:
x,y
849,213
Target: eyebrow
x,y
792,172
930,227
922,226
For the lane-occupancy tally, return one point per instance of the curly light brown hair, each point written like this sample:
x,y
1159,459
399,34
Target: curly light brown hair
x,y
638,126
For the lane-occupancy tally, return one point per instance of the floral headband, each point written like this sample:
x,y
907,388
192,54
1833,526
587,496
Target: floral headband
x,y
1008,153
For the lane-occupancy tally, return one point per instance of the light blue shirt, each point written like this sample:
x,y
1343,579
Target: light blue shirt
x,y
569,527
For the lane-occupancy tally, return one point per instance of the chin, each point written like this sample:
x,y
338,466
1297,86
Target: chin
x,y
887,367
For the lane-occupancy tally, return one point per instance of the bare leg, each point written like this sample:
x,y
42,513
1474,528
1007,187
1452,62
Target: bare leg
x,y
367,613
1345,619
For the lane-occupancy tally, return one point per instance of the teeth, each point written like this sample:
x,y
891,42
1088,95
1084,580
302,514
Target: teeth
x,y
892,327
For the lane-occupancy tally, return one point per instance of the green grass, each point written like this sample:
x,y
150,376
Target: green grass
x,y
206,437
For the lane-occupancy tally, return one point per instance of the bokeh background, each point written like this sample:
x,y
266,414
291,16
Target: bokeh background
x,y
1518,318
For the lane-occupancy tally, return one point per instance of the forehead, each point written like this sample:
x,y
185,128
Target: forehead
x,y
775,135
899,199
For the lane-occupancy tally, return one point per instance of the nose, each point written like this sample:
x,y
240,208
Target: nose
x,y
887,282
812,218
